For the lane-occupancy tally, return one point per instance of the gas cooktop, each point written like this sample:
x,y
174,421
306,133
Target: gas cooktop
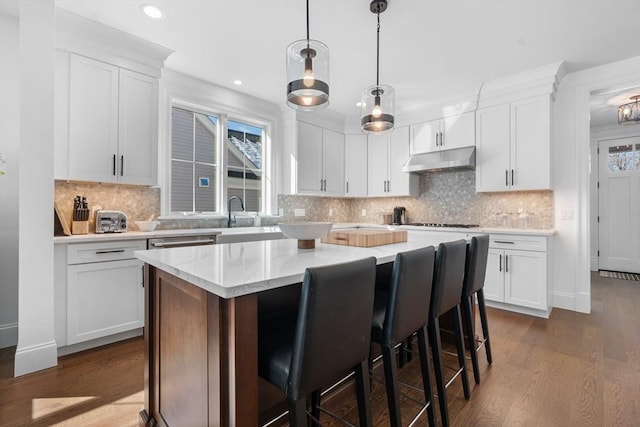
x,y
435,224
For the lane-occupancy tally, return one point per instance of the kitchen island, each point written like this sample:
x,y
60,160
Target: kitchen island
x,y
201,339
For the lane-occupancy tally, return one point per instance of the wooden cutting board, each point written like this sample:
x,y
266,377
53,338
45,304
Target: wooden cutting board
x,y
365,237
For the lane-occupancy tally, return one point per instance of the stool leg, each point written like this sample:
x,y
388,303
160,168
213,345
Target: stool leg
x,y
426,381
362,387
485,325
298,412
391,384
436,347
457,321
467,316
315,405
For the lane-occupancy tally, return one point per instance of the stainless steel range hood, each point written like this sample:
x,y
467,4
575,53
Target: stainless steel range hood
x,y
455,159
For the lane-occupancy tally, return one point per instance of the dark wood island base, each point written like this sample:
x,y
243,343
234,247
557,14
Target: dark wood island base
x,y
193,373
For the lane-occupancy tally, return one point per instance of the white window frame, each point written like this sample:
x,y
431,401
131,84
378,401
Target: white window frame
x,y
223,115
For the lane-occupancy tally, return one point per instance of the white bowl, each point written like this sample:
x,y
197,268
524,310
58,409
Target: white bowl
x,y
305,230
147,225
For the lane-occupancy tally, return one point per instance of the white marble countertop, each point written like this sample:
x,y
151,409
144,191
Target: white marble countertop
x,y
235,269
132,235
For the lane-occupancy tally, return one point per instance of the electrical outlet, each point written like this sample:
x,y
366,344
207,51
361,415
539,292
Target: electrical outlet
x,y
298,212
364,212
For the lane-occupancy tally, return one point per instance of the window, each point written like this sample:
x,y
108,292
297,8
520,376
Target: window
x,y
206,170
244,164
193,161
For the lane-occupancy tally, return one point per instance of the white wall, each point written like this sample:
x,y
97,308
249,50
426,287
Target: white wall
x,y
571,245
9,146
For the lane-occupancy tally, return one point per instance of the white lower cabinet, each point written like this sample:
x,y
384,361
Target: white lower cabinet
x,y
105,294
517,276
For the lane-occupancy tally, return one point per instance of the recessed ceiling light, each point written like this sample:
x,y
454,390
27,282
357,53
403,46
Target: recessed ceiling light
x,y
151,11
237,82
358,104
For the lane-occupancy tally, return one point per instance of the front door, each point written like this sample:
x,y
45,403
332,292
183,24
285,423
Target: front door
x,y
619,204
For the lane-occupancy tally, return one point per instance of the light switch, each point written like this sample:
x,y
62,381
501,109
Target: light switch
x,y
566,214
298,212
364,212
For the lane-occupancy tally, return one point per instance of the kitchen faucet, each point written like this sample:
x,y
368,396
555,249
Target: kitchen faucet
x,y
230,221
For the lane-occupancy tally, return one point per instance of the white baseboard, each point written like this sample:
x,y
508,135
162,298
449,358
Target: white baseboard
x,y
564,300
519,309
82,346
8,335
35,358
583,302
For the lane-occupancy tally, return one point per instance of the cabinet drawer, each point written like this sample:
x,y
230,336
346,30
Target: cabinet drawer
x,y
80,253
526,243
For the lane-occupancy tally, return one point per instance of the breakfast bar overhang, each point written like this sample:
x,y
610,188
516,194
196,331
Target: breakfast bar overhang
x,y
201,334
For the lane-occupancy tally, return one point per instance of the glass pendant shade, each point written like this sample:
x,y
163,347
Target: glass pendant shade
x,y
630,113
377,109
307,75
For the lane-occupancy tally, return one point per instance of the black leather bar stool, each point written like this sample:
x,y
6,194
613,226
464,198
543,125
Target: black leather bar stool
x,y
446,295
399,313
475,271
330,338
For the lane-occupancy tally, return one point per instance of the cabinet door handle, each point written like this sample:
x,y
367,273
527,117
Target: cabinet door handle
x,y
506,263
500,263
114,251
506,177
437,139
325,185
388,186
320,184
347,186
114,165
122,165
512,180
441,139
505,241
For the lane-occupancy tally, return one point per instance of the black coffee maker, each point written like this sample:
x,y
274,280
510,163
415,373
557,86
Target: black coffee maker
x,y
399,215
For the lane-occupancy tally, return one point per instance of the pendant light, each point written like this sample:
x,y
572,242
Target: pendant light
x,y
378,100
307,73
630,113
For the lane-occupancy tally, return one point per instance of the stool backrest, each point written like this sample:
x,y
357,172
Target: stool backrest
x,y
476,265
448,277
409,294
333,329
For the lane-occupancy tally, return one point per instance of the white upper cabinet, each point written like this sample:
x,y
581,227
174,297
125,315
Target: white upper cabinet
x,y
355,165
112,123
138,128
514,146
443,134
386,155
320,161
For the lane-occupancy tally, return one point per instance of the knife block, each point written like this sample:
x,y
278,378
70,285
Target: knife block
x,y
79,227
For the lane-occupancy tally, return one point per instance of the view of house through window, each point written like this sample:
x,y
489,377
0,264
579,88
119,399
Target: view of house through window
x,y
244,164
196,172
193,161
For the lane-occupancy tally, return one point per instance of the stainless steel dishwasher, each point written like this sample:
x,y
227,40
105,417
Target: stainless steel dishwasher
x,y
180,241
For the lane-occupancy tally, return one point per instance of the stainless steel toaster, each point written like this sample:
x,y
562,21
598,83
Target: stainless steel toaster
x,y
111,222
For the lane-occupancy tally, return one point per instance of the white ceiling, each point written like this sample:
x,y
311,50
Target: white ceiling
x,y
431,50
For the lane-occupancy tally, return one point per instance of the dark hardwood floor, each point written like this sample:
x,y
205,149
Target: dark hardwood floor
x,y
570,370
